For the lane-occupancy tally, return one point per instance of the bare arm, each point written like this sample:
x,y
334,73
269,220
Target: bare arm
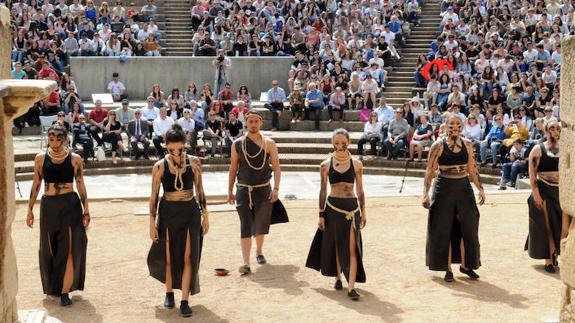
x,y
275,160
36,184
323,172
434,153
81,186
234,164
197,167
473,171
157,172
534,158
358,167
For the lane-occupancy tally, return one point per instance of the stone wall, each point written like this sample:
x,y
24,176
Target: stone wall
x,y
92,74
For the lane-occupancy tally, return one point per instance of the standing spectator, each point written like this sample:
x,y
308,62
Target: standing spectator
x,y
396,135
223,65
116,88
234,130
371,134
314,103
137,131
161,125
96,120
516,165
276,98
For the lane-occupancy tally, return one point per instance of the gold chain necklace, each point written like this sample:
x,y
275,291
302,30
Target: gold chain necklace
x,y
57,155
339,160
179,171
247,156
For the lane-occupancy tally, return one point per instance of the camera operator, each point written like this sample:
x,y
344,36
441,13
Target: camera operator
x,y
222,64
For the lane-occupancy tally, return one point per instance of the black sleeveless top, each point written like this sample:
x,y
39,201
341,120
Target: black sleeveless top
x,y
449,158
346,177
547,163
168,179
247,175
58,173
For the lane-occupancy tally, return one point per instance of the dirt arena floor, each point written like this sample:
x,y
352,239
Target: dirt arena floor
x,y
399,288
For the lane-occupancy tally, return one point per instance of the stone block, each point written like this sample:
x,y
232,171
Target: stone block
x,y
567,81
567,171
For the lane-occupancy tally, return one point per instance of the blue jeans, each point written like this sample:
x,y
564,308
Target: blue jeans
x,y
68,108
393,150
495,145
510,171
18,56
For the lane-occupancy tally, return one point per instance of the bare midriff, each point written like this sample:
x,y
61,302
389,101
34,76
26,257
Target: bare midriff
x,y
342,190
55,189
453,171
182,196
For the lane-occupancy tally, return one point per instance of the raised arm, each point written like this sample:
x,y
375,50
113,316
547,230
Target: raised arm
x,y
473,171
275,159
197,167
234,164
157,172
434,153
81,186
36,183
358,167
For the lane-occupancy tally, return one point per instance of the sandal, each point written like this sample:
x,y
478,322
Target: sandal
x,y
338,285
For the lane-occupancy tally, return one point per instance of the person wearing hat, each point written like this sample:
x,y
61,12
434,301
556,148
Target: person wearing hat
x,y
397,133
125,114
137,131
253,159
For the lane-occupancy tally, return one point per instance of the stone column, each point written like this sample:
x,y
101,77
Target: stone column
x,y
567,175
16,96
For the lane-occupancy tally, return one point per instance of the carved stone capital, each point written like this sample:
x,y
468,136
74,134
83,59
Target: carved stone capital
x,y
19,95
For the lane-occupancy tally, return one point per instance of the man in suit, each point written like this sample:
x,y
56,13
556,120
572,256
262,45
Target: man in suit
x,y
138,133
124,114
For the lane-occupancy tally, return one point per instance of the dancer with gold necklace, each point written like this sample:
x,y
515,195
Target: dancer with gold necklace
x,y
181,222
64,216
337,245
255,199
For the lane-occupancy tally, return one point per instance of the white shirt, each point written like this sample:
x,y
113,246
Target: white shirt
x,y
116,87
150,114
384,114
389,37
161,126
188,125
372,130
472,132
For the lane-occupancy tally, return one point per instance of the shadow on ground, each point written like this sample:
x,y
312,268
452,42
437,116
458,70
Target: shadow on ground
x,y
368,304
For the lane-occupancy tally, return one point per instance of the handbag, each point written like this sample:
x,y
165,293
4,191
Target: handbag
x,y
100,154
364,114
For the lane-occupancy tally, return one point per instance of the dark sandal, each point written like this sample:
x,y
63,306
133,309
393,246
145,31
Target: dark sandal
x,y
261,259
448,277
185,309
338,285
245,270
169,301
65,300
469,272
550,269
353,295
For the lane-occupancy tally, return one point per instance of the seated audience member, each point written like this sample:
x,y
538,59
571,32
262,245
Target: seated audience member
x,y
226,97
213,131
161,125
537,133
137,130
515,130
116,88
149,114
397,133
472,131
240,111
70,98
385,114
337,104
518,164
313,103
422,137
124,114
493,140
96,119
198,115
297,102
111,133
276,98
62,121
371,134
189,126
234,130
83,136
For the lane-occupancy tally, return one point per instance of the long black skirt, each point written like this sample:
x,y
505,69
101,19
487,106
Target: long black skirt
x,y
537,240
60,215
335,239
256,220
175,220
453,216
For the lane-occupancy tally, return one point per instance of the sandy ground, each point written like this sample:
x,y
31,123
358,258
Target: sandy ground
x,y
513,287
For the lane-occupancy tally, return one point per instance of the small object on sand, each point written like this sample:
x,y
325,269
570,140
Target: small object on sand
x,y
221,272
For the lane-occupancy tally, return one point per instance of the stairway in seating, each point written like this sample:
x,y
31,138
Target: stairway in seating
x,y
400,83
177,38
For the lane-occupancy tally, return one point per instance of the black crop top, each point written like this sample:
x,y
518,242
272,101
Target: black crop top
x,y
449,158
547,163
58,173
336,177
168,179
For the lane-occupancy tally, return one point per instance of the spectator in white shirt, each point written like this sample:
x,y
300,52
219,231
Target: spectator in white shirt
x,y
117,88
150,113
161,125
371,134
189,126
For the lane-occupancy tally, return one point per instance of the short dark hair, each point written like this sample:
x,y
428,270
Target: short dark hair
x,y
115,74
175,134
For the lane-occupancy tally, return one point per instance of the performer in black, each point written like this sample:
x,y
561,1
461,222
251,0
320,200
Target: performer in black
x,y
547,222
256,200
453,223
337,245
178,230
64,216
